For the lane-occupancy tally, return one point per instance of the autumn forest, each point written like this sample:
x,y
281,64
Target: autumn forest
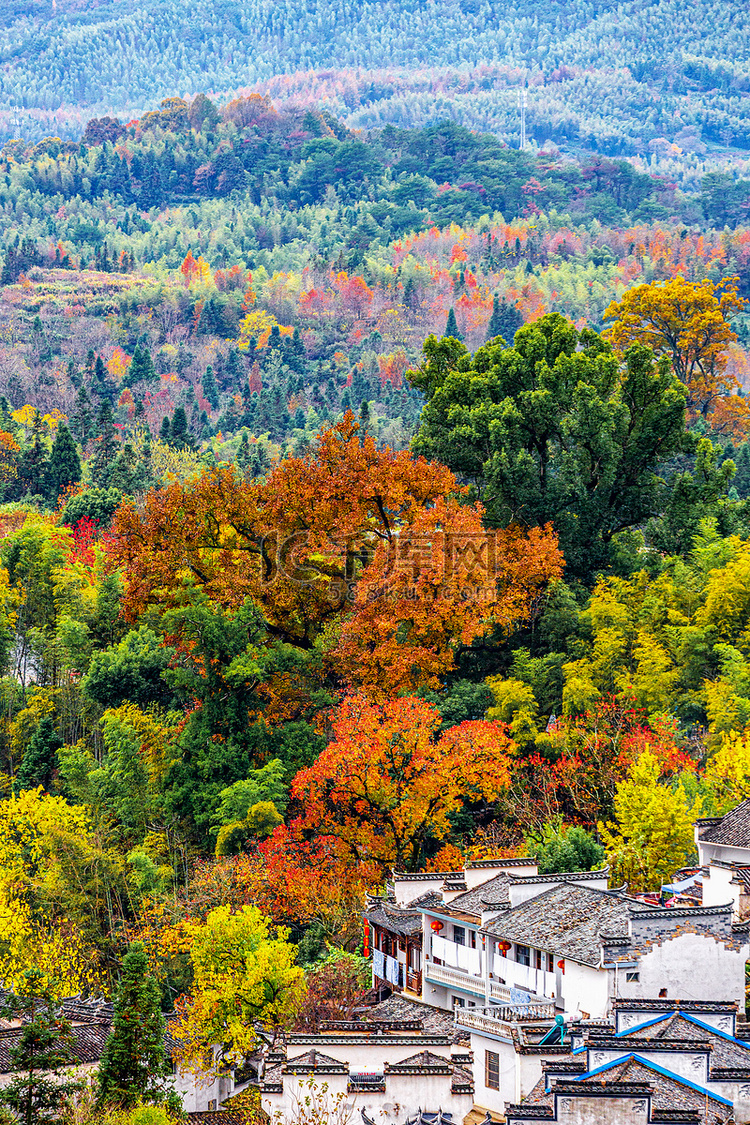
x,y
374,495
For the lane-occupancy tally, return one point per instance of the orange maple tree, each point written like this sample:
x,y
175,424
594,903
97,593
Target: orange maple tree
x,y
374,545
388,781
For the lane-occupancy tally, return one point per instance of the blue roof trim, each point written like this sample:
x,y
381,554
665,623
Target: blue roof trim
x,y
690,1019
650,1065
433,911
715,1031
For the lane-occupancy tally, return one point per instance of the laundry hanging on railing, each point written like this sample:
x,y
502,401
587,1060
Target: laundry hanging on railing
x,y
393,971
438,947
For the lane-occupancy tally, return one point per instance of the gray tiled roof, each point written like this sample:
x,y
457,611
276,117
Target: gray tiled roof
x,y
87,1044
726,1052
216,1117
395,919
566,920
314,1060
667,1092
733,829
435,1021
492,893
741,875
424,1060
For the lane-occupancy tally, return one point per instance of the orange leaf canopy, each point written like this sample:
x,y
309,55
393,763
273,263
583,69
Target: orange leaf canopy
x,y
387,782
373,545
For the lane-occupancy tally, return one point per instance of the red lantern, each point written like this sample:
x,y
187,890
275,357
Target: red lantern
x,y
505,946
561,965
366,939
436,926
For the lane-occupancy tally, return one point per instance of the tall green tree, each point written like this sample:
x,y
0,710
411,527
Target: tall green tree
x,y
40,1058
82,420
32,470
505,320
209,388
554,430
696,496
64,467
106,447
141,368
452,330
134,1066
181,437
40,760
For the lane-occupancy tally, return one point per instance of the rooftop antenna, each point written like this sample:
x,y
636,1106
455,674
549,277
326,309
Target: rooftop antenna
x,y
522,112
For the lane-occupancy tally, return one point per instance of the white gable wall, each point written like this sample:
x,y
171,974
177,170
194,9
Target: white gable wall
x,y
689,966
404,1095
718,888
583,988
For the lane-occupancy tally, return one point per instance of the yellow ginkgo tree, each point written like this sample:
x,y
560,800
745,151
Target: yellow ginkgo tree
x,y
245,982
652,836
46,849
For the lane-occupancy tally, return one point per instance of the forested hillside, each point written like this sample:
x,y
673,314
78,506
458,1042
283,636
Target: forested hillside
x,y
613,77
367,500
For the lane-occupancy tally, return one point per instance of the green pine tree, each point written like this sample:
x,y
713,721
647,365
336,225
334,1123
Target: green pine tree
x,y
209,388
106,447
101,383
451,326
133,1066
64,467
39,1085
360,386
82,421
40,760
742,477
181,437
34,460
141,368
279,413
234,368
505,321
243,454
165,433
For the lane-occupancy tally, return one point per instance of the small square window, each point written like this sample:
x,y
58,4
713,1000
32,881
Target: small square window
x,y
632,978
459,935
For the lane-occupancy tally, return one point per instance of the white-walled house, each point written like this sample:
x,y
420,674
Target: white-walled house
x,y
401,1059
726,838
723,845
499,934
657,1060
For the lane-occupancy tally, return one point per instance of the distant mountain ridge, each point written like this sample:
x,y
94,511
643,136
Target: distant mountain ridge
x,y
605,76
